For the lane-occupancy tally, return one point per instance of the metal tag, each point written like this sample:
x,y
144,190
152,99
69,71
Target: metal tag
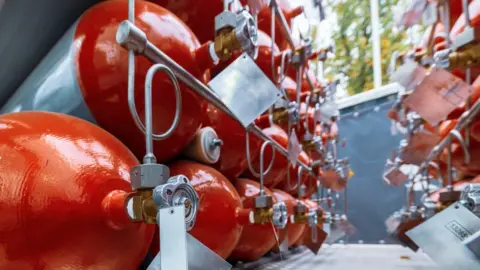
x,y
442,238
414,14
314,238
283,247
409,75
173,244
419,147
245,90
201,257
394,176
294,148
393,222
339,230
438,95
178,249
326,111
473,243
429,16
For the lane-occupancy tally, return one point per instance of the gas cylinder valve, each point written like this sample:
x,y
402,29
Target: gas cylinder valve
x,y
312,144
154,189
468,57
265,211
300,214
282,115
235,32
470,198
178,191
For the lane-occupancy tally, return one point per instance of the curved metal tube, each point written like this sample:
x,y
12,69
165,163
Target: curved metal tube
x,y
272,36
437,169
456,134
299,180
249,161
148,129
262,174
305,124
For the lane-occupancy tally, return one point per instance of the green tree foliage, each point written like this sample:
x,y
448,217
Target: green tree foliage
x,y
353,43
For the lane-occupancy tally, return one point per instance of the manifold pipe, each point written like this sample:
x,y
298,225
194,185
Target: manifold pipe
x,y
283,23
130,37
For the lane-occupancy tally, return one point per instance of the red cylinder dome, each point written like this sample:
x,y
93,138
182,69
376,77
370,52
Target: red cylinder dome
x,y
62,201
295,231
198,15
218,225
459,26
256,239
91,67
278,170
293,187
233,159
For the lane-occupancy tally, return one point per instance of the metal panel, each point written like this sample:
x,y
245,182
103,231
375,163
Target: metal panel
x,y
28,30
366,129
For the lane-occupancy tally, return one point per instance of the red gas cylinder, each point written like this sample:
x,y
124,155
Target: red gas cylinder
x,y
256,240
265,21
292,187
233,159
64,183
459,26
457,186
295,231
220,215
278,170
198,15
458,158
87,73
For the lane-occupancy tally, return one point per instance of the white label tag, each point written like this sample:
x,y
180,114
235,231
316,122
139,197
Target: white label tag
x,y
409,74
392,223
429,16
438,95
394,176
326,111
294,148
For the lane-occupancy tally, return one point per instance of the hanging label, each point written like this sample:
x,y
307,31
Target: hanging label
x,y
419,147
394,176
294,148
414,14
314,238
438,95
443,238
393,222
409,75
429,16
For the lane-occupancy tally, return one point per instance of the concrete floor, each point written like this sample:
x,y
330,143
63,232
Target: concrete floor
x,y
346,257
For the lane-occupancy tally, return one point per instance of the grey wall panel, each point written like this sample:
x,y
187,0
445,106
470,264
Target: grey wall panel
x,y
28,30
369,143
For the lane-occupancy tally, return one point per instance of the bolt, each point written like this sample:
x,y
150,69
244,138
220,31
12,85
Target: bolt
x,y
187,203
216,143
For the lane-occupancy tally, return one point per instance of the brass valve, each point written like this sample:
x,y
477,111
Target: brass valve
x,y
226,43
470,56
143,207
235,32
300,215
262,215
280,116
